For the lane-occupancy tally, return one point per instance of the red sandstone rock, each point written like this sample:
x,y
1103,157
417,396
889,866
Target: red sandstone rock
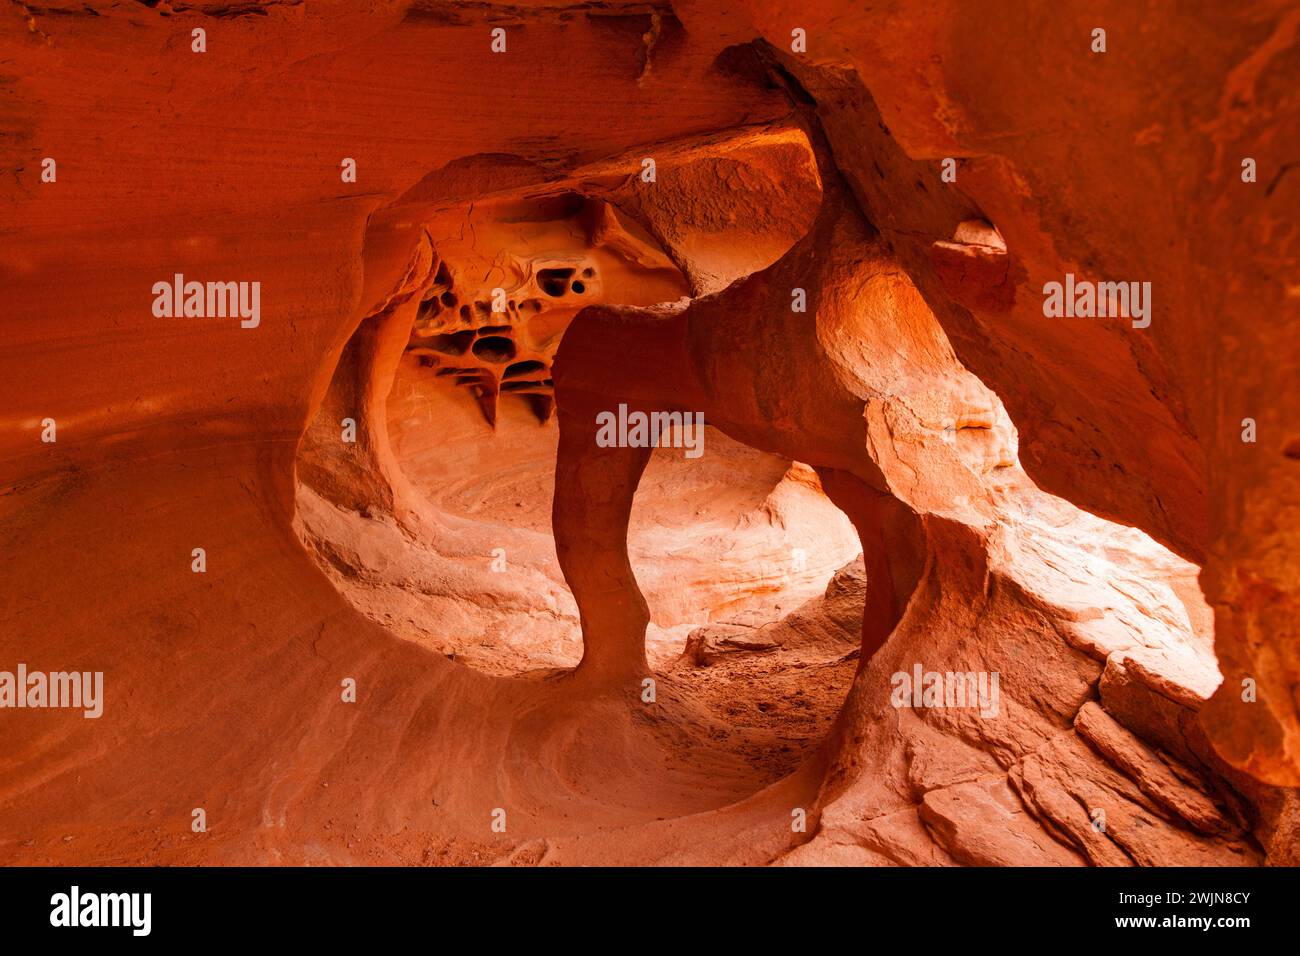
x,y
920,376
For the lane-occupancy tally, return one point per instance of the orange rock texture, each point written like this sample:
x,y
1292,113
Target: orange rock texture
x,y
954,578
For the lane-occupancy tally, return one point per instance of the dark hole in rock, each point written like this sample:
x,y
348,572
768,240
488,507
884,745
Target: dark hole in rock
x,y
524,368
495,349
451,343
554,282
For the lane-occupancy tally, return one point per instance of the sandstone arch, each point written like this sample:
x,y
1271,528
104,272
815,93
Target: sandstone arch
x,y
796,384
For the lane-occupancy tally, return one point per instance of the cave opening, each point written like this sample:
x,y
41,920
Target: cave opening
x,y
756,561
724,545
732,549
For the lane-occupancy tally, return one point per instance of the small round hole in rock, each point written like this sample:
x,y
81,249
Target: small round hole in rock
x,y
554,282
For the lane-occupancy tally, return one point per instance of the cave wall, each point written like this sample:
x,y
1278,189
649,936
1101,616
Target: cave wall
x,y
1122,165
225,166
223,688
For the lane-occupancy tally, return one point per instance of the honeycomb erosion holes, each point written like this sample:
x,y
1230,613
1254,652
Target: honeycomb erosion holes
x,y
909,472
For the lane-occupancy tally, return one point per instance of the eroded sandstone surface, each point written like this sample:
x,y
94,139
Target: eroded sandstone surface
x,y
367,585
